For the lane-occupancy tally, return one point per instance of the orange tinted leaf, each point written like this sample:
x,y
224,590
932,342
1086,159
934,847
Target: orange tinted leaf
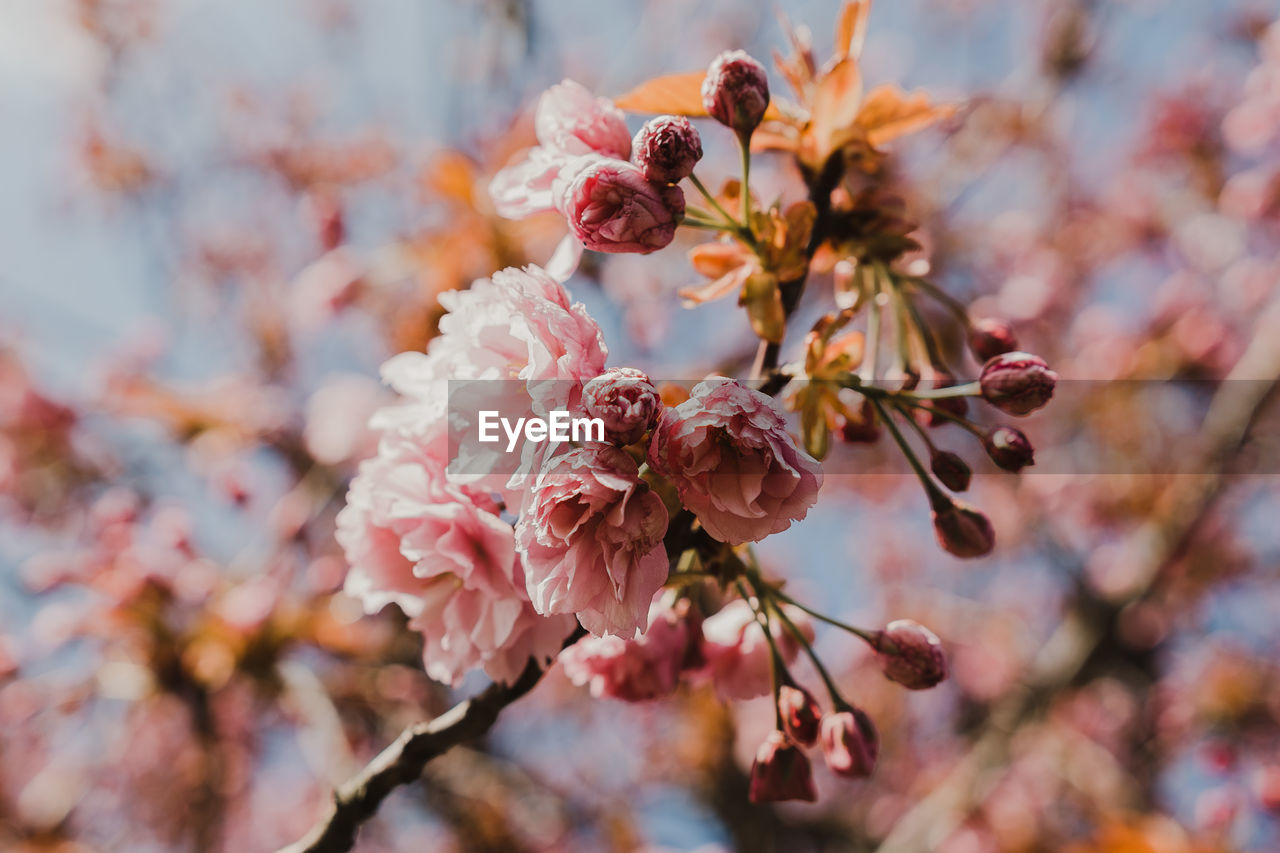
x,y
889,113
839,95
718,289
836,103
763,301
678,94
716,259
452,175
674,94
851,28
764,140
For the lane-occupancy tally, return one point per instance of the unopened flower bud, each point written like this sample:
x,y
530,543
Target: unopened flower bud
x,y
862,427
667,148
950,469
850,743
612,207
961,529
1009,448
801,714
990,337
625,400
910,654
1017,382
781,772
736,91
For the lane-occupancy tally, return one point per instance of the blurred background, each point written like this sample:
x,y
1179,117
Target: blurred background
x,y
218,218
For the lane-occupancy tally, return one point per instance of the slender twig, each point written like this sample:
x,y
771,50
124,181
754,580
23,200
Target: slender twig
x,y
357,799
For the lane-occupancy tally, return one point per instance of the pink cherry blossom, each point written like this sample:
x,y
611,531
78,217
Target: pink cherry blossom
x,y
647,667
442,555
570,123
736,653
591,538
573,121
727,451
612,207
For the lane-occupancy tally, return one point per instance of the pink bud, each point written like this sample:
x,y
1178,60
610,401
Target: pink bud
x,y
611,207
961,529
990,337
863,427
736,91
781,772
1017,382
950,469
850,743
626,401
1009,448
801,714
667,148
910,654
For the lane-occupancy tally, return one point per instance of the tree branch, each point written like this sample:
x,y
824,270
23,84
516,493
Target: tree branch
x,y
356,800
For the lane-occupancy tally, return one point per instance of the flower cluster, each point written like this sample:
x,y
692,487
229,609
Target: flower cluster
x,y
583,167
616,534
495,570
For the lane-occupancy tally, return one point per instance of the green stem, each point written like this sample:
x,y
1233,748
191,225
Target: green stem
x,y
944,298
744,146
737,226
836,699
931,489
969,389
951,416
868,371
844,626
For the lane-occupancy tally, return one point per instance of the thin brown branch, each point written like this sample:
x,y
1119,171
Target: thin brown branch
x,y
357,799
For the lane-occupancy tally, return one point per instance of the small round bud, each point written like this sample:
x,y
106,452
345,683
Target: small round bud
x,y
801,714
736,91
850,743
1017,382
990,337
626,401
1009,448
781,772
961,529
910,654
862,427
667,148
950,469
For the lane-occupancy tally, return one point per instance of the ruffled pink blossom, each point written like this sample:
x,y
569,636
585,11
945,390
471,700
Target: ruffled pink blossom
x,y
647,667
441,554
570,123
591,538
727,451
736,653
572,120
519,326
580,168
612,207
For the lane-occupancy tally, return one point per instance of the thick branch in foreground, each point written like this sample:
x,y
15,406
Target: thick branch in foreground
x,y
403,761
